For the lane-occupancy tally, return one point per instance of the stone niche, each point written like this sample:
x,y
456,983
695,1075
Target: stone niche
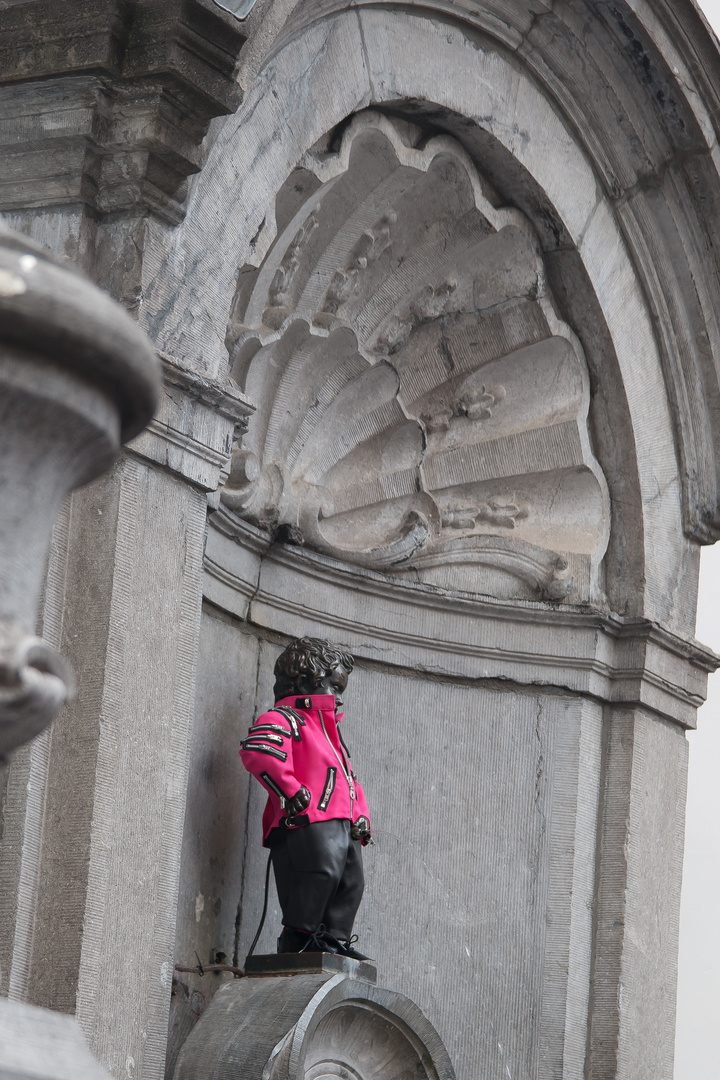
x,y
424,481
422,410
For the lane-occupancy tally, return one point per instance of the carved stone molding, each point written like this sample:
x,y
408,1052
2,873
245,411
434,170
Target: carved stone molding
x,y
195,424
311,1026
623,661
597,121
421,407
131,87
642,102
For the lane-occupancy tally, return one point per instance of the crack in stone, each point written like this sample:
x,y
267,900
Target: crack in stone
x,y
246,844
539,772
537,804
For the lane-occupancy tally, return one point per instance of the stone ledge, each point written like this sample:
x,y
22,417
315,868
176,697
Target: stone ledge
x,y
195,424
304,963
224,396
583,650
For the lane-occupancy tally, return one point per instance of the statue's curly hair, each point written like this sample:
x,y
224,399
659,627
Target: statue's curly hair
x,y
307,656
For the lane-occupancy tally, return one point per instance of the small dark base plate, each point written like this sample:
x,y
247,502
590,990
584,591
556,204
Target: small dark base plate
x,y
303,963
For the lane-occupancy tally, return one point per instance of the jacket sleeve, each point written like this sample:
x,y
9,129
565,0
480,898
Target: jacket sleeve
x,y
361,806
267,753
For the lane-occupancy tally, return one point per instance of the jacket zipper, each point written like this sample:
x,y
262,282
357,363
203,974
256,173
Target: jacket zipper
x,y
264,748
341,763
292,719
265,736
329,788
278,728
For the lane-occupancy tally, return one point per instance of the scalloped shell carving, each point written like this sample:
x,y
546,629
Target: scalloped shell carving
x,y
421,409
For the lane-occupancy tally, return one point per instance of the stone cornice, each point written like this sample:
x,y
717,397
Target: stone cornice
x,y
623,661
131,87
194,427
224,396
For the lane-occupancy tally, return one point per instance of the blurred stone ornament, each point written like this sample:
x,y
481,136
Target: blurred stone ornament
x,y
77,378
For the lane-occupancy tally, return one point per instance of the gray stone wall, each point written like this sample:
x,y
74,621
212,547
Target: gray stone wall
x,y
480,881
538,736
215,841
489,797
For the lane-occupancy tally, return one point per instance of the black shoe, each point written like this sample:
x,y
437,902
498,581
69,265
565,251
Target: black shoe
x,y
291,940
346,949
299,941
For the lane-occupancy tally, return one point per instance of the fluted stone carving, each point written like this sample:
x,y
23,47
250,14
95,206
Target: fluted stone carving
x,y
77,378
421,406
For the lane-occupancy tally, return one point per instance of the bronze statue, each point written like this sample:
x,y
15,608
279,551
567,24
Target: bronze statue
x,y
316,820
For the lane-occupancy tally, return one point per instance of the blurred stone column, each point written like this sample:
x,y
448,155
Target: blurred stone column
x,y
77,377
98,936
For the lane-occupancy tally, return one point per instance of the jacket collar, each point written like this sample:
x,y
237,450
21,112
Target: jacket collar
x,y
323,702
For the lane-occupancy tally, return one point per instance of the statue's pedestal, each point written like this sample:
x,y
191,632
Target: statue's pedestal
x,y
309,963
310,1015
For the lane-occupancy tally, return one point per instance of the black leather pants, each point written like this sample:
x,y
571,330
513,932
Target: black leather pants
x,y
319,876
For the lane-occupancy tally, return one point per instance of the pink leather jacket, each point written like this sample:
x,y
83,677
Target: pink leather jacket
x,y
298,743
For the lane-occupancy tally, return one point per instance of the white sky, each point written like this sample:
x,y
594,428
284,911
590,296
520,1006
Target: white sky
x,y
697,1043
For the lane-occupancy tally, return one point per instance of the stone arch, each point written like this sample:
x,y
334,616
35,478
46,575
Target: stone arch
x,y
544,759
647,570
